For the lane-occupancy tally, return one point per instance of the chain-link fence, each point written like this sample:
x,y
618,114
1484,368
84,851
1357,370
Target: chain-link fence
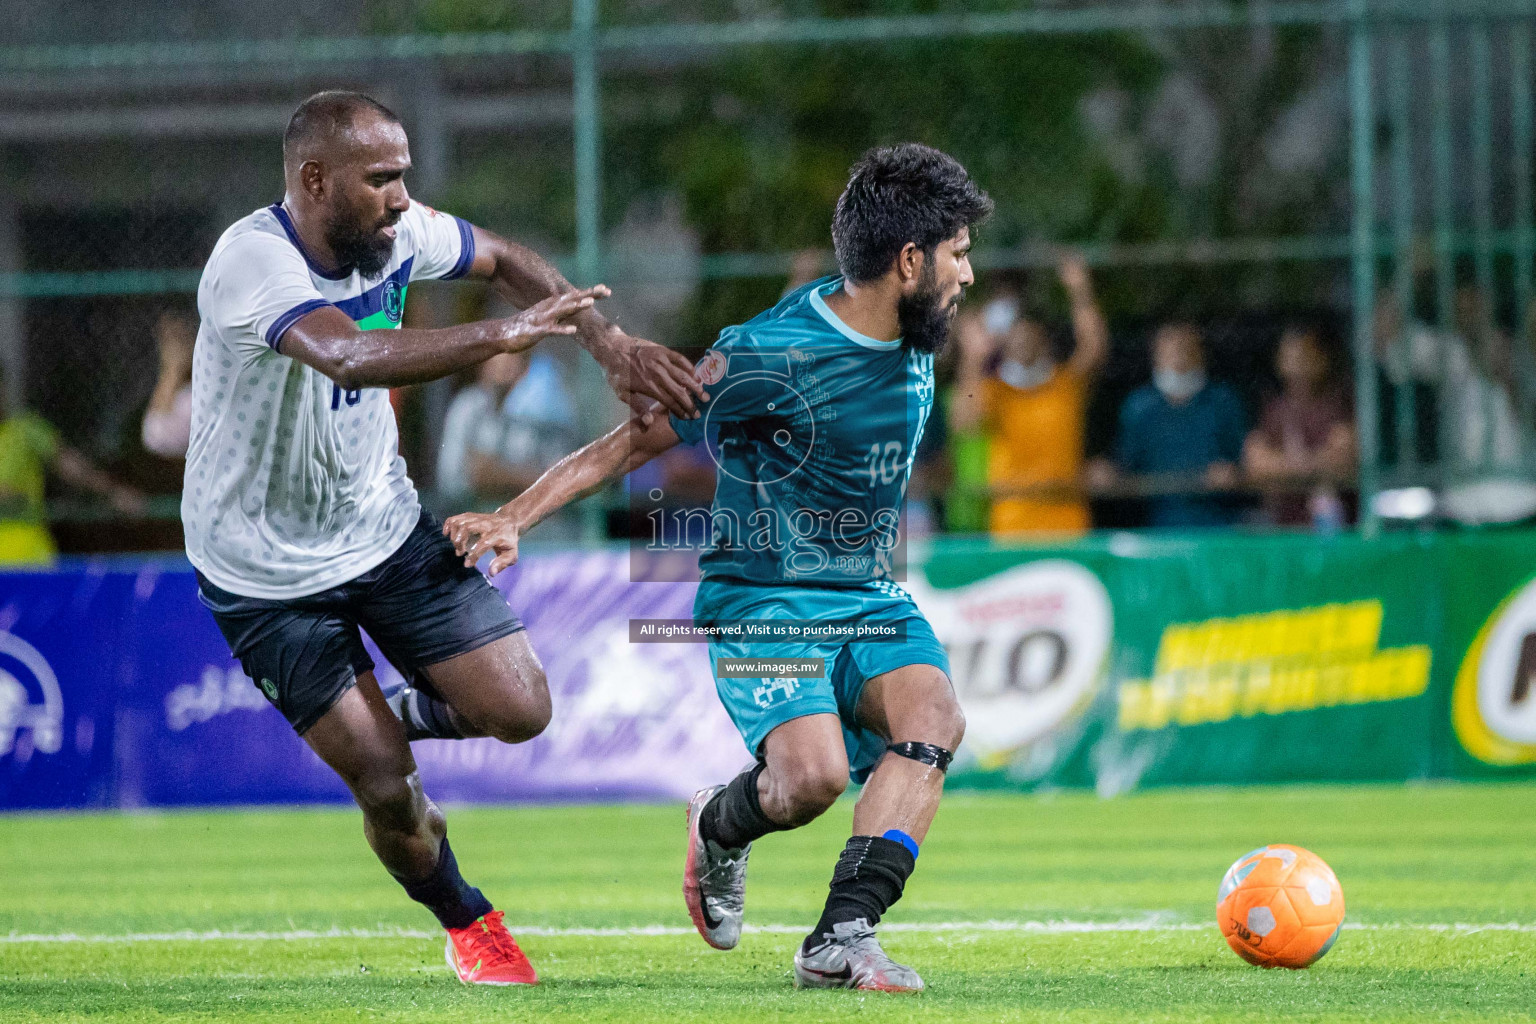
x,y
1359,172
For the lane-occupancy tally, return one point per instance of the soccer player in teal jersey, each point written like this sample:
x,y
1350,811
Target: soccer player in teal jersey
x,y
816,408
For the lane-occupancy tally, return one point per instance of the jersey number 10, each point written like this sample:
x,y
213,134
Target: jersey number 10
x,y
884,462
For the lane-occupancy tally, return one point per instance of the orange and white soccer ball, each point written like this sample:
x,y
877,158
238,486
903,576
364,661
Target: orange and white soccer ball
x,y
1280,906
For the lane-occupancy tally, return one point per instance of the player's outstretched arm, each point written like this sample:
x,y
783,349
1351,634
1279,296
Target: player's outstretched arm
x,y
331,343
623,449
639,371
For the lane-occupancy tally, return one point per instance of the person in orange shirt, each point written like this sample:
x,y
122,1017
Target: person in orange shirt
x,y
1031,408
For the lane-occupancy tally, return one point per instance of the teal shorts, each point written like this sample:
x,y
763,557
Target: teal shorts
x,y
758,706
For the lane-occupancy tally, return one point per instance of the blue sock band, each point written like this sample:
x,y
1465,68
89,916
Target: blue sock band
x,y
896,835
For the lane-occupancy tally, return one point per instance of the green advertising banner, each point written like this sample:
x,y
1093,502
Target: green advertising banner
x,y
1138,660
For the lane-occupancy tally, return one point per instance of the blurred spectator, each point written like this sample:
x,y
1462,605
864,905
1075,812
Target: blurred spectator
x,y
806,266
1305,440
515,421
1409,367
29,448
965,502
966,508
1481,387
167,427
1457,388
1488,445
1029,406
1524,361
1184,428
1460,393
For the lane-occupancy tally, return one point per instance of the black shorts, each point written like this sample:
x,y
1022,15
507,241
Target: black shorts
x,y
421,606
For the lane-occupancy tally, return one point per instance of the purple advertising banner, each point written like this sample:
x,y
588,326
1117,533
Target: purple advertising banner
x,y
59,641
630,720
116,689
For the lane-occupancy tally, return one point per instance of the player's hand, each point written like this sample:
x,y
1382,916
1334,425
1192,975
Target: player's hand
x,y
548,317
1073,271
646,372
475,533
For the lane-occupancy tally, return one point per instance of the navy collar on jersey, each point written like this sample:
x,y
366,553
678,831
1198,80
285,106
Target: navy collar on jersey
x,y
389,291
820,305
293,236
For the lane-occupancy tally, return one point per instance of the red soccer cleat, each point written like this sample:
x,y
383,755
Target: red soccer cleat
x,y
485,953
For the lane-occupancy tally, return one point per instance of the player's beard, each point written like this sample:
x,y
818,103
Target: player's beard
x,y
361,248
924,316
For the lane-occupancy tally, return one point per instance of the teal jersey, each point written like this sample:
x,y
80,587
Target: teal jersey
x,y
812,427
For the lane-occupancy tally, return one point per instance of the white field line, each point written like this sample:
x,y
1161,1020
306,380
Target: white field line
x,y
915,927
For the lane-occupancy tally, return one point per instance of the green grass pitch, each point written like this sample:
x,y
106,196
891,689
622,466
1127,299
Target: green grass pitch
x,y
1064,908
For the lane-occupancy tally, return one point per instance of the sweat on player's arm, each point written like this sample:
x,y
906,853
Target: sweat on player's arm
x,y
622,450
328,340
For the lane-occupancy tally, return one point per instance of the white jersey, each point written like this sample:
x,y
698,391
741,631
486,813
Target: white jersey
x,y
294,485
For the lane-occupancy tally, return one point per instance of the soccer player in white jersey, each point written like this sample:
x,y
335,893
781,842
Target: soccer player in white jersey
x,y
299,516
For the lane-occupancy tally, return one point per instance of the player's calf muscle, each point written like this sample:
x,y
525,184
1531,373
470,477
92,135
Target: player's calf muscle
x,y
391,801
402,826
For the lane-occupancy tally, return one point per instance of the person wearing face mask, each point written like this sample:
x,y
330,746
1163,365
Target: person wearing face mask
x,y
1182,425
1031,407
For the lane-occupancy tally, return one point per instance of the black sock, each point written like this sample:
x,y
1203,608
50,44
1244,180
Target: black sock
x,y
456,903
868,879
735,816
426,718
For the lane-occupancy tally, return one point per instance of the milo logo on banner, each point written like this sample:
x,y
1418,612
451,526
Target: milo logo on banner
x,y
1493,705
1028,648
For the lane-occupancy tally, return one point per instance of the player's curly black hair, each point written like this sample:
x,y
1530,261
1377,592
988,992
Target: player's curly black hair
x,y
900,194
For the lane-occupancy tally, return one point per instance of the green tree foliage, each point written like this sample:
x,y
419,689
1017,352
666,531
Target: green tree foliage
x,y
757,141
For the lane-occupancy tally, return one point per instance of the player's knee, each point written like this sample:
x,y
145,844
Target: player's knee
x,y
938,720
516,725
812,788
955,724
521,715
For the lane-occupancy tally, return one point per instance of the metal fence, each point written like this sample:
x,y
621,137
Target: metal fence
x,y
1362,156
